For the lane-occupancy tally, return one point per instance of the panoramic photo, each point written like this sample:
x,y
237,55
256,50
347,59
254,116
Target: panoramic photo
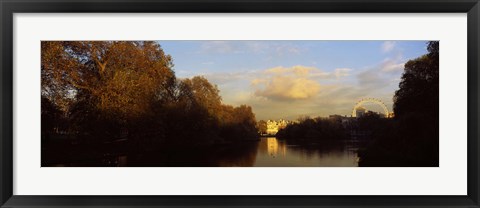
x,y
238,103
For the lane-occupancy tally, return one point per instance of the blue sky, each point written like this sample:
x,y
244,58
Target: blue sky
x,y
288,79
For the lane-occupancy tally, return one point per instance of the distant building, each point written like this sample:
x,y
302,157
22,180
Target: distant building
x,y
274,126
361,111
345,120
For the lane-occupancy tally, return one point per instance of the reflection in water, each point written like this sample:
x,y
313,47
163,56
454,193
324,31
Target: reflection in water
x,y
267,152
274,153
272,145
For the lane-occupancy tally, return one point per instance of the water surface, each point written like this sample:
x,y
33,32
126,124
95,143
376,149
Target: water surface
x,y
266,152
276,153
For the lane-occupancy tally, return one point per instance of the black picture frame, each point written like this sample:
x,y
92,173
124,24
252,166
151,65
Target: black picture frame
x,y
9,7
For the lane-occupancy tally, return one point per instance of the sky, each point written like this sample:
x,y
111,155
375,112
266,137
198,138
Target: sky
x,y
289,79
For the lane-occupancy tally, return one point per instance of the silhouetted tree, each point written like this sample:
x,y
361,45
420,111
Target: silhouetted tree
x,y
51,116
418,91
369,121
318,129
413,140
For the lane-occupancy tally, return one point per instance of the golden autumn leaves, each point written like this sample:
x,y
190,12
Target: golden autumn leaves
x,y
124,77
107,87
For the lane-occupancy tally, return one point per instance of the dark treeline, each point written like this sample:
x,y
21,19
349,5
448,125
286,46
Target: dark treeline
x,y
104,91
312,130
412,139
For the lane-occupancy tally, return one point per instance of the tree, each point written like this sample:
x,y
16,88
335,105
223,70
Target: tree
x,y
109,89
237,123
121,78
262,126
413,140
317,129
369,121
419,87
51,116
202,92
416,106
246,121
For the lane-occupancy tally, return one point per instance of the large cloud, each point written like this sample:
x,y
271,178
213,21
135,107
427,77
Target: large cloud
x,y
289,88
288,84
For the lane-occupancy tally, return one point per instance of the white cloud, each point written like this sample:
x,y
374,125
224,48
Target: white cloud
x,y
227,77
392,66
296,70
293,83
289,83
388,46
289,88
309,71
341,72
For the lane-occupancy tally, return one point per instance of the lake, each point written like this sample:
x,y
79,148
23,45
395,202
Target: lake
x,y
276,153
266,152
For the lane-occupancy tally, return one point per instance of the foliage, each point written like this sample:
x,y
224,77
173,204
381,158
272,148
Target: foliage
x,y
413,140
419,86
120,78
318,129
262,126
51,116
110,90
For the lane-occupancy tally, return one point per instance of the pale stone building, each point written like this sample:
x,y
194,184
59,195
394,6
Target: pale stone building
x,y
274,126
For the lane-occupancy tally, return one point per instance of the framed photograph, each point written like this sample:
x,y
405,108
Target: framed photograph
x,y
268,103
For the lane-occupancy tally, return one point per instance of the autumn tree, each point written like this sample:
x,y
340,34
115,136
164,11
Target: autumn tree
x,y
245,121
114,83
120,77
107,87
203,93
262,126
201,109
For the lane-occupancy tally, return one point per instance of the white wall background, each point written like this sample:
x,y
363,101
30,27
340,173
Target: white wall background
x,y
449,178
